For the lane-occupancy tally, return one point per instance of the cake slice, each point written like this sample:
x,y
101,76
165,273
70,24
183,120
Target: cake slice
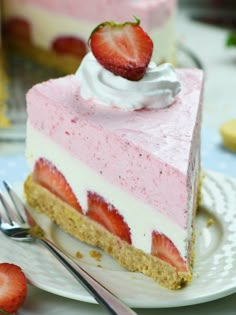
x,y
55,32
116,162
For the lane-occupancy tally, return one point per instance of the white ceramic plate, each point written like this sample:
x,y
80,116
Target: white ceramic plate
x,y
215,265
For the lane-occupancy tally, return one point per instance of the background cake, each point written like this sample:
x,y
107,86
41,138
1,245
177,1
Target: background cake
x,y
56,32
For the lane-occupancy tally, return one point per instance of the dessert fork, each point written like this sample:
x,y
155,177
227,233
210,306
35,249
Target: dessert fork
x,y
17,223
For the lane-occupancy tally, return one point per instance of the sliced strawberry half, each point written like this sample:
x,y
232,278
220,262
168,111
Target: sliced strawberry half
x,y
47,175
70,45
108,216
13,287
124,49
19,28
163,248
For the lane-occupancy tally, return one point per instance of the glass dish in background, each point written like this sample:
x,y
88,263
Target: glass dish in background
x,y
22,74
208,3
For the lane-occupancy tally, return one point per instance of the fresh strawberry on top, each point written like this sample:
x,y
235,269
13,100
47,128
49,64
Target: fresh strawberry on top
x,y
47,175
13,287
108,216
124,49
163,248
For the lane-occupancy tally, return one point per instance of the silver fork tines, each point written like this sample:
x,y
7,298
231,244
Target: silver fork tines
x,y
16,223
16,201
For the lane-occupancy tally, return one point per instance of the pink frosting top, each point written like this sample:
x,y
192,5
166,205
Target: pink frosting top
x,y
155,148
151,12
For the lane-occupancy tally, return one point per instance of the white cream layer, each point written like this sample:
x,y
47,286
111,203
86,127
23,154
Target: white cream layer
x,y
140,217
47,26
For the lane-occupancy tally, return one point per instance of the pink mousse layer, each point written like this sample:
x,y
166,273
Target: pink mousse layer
x,y
148,153
152,12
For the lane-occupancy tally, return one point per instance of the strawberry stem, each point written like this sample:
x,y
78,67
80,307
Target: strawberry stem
x,y
113,23
3,312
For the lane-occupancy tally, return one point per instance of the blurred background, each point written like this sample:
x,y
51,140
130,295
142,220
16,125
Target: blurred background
x,y
205,27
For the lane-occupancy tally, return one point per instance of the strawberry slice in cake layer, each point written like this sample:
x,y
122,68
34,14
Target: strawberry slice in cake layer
x,y
115,153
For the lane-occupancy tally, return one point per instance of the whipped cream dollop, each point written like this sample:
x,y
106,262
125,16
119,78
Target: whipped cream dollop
x,y
157,89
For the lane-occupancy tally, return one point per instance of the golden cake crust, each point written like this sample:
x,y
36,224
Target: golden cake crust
x,y
82,228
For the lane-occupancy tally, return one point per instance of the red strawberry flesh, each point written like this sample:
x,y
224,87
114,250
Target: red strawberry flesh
x,y
47,175
164,248
13,287
107,215
124,49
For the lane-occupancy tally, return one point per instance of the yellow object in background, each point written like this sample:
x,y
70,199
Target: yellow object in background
x,y
228,133
4,121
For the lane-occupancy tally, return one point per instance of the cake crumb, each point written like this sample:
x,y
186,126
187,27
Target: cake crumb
x,y
79,255
37,231
210,221
96,255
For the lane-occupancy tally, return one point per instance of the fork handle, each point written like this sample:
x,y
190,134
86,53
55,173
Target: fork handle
x,y
102,295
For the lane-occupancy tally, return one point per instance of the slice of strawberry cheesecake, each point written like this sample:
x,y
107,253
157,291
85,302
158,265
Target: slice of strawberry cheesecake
x,y
115,153
55,32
